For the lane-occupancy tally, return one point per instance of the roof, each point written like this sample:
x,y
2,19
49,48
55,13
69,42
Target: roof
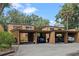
x,y
32,31
19,24
52,26
59,25
40,31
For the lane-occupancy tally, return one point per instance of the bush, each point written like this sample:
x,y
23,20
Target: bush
x,y
6,39
4,46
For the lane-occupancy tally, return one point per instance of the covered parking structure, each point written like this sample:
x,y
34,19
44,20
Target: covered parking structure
x,y
50,36
32,35
66,34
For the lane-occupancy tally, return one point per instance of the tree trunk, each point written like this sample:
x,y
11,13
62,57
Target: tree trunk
x,y
67,23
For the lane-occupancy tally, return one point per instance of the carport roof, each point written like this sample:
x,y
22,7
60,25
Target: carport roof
x,y
32,31
40,31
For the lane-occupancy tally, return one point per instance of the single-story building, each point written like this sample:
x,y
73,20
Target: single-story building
x,y
48,34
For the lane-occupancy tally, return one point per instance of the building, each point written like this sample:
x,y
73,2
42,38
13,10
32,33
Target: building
x,y
28,34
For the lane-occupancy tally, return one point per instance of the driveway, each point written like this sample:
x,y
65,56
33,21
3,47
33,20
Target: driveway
x,y
59,49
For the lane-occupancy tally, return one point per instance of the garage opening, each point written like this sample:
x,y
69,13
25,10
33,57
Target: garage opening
x,y
30,38
59,38
71,37
26,38
41,38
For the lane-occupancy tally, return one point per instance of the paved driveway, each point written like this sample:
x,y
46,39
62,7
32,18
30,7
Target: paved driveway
x,y
60,49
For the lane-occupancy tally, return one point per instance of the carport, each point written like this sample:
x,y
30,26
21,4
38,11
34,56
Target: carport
x,y
66,34
32,35
53,36
45,35
74,34
50,36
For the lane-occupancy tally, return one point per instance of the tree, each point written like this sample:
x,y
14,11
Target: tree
x,y
20,18
16,17
4,20
38,22
69,13
2,6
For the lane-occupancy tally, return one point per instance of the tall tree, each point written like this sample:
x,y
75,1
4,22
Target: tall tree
x,y
4,20
70,14
2,6
20,18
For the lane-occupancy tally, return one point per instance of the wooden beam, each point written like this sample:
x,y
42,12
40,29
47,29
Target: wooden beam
x,y
52,37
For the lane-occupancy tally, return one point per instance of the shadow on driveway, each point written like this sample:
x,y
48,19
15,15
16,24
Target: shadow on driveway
x,y
74,54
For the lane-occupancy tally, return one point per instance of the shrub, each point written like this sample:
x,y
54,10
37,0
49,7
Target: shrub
x,y
6,39
4,46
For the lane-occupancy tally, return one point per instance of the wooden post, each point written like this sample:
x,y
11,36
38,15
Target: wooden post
x,y
77,37
35,38
52,37
18,38
47,37
66,37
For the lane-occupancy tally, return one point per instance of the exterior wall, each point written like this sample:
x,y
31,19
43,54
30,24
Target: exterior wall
x,y
24,27
58,28
10,27
52,28
55,28
28,27
46,29
1,28
24,37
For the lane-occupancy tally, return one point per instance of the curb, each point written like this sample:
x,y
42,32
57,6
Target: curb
x,y
7,52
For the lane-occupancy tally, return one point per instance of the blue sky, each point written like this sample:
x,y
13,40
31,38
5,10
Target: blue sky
x,y
45,10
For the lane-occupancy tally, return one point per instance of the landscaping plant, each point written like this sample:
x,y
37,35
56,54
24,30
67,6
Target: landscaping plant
x,y
6,40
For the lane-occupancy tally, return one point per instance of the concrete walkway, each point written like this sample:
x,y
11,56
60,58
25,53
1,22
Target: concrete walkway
x,y
59,49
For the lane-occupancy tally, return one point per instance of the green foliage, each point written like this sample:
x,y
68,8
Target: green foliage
x,y
4,20
17,17
4,46
6,39
2,6
69,13
20,18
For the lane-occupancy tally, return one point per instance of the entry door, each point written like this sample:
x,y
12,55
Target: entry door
x,y
30,37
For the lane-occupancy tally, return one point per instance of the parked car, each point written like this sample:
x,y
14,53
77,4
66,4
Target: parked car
x,y
71,39
41,40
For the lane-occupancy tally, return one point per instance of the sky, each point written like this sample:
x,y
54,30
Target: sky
x,y
45,10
